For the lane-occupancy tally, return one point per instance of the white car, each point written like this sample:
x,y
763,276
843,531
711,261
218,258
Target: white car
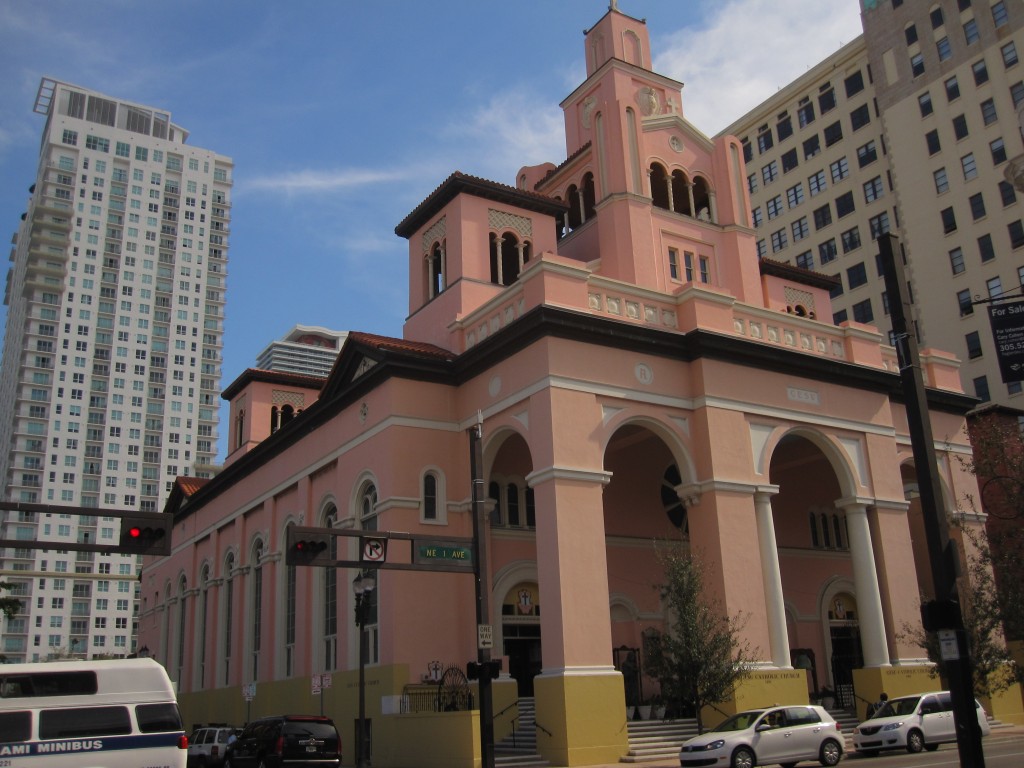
x,y
785,735
922,721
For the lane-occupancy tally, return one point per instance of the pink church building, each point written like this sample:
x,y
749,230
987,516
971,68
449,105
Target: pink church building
x,y
641,378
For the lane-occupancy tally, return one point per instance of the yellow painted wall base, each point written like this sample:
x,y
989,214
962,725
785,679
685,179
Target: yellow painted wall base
x,y
581,718
868,684
427,739
1006,706
761,688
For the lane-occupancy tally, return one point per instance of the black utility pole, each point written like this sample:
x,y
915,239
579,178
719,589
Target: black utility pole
x,y
943,613
483,615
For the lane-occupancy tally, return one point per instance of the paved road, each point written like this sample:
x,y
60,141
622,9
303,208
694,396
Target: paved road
x,y
1004,748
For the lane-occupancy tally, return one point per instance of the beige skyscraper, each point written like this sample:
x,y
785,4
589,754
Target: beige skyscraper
x,y
906,129
111,369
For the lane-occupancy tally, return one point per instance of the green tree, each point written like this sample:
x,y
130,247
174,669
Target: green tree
x,y
700,656
997,461
9,606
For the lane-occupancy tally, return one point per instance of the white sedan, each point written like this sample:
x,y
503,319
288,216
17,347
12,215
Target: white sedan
x,y
785,735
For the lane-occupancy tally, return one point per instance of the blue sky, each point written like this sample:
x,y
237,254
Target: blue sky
x,y
341,115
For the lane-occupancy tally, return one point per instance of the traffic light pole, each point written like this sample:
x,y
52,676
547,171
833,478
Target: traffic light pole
x,y
941,550
482,604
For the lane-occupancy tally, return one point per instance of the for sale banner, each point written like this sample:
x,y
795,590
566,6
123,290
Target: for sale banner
x,y
1007,320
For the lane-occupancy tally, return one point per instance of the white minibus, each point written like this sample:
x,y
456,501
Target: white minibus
x,y
119,713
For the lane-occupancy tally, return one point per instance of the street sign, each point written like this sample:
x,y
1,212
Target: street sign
x,y
374,550
435,551
949,649
484,636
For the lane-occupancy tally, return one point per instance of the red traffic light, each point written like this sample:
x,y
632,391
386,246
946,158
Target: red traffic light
x,y
307,546
145,534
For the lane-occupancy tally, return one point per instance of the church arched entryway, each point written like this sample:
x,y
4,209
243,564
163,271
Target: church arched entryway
x,y
813,542
642,511
512,519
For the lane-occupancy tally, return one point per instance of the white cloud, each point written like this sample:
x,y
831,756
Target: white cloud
x,y
316,181
745,50
515,127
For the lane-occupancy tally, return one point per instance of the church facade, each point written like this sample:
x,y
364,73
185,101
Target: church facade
x,y
640,379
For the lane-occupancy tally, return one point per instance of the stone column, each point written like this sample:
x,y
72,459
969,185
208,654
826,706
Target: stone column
x,y
771,574
712,207
689,195
865,579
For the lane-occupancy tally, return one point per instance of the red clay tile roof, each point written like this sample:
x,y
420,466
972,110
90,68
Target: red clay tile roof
x,y
190,485
391,344
459,183
275,377
562,165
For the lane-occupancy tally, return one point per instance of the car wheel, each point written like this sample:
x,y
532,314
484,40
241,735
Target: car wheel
x,y
742,757
830,753
915,741
931,747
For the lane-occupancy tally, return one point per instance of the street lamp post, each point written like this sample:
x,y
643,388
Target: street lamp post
x,y
362,588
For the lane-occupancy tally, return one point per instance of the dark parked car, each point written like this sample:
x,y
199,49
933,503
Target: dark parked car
x,y
286,741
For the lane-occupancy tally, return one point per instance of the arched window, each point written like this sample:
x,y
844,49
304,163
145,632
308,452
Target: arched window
x,y
837,529
436,271
290,588
589,196
681,193
368,522
275,419
659,186
494,493
287,414
702,200
813,520
575,209
256,611
826,538
430,496
179,654
240,428
330,577
531,509
508,256
512,504
229,610
202,626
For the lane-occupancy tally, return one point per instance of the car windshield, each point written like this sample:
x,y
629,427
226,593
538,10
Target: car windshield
x,y
898,707
739,722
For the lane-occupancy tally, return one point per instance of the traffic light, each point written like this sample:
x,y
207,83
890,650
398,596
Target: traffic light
x,y
146,534
483,670
307,547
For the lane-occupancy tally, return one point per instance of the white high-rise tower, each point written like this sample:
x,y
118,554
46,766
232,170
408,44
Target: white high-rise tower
x,y
112,355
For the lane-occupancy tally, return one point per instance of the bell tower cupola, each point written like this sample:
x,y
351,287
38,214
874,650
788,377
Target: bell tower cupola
x,y
618,36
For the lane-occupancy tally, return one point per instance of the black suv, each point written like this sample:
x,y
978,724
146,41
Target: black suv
x,y
286,741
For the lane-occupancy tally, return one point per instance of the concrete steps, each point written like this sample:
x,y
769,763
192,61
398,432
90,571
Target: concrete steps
x,y
519,749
